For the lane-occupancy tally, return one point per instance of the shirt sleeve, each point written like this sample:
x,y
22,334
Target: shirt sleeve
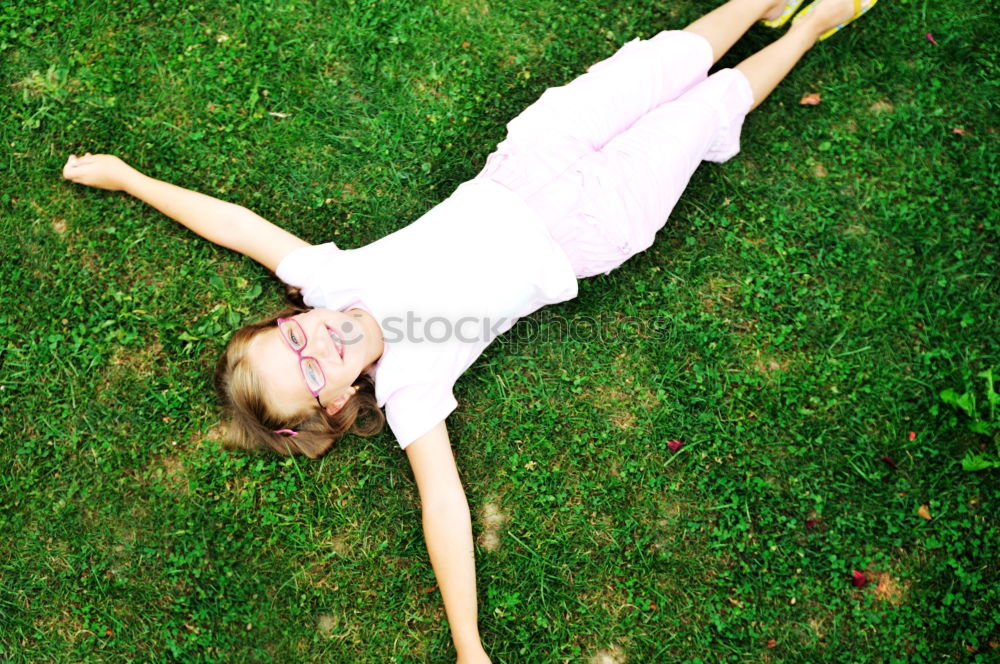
x,y
298,265
303,269
414,410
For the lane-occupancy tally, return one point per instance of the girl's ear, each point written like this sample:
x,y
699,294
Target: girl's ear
x,y
334,406
339,402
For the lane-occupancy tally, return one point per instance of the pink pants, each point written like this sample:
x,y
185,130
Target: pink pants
x,y
604,159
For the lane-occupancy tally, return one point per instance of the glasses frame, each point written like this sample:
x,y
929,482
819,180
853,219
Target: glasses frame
x,y
303,358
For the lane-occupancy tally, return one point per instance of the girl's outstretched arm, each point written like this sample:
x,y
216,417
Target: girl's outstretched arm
x,y
448,531
226,224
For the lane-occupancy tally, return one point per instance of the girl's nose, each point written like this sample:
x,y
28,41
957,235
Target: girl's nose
x,y
325,347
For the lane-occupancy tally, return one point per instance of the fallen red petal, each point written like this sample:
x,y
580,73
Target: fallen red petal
x,y
889,462
771,643
674,445
930,38
858,580
913,435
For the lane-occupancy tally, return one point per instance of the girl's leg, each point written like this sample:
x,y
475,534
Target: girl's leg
x,y
766,68
568,123
642,75
724,25
620,196
633,182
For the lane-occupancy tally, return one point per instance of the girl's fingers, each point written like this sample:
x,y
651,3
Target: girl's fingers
x,y
75,168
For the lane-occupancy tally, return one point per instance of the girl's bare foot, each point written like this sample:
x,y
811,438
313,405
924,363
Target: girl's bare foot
x,y
825,15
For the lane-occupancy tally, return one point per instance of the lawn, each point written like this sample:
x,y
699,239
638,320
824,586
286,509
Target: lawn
x,y
792,328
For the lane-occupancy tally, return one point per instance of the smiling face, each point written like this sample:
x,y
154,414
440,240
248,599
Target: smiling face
x,y
344,345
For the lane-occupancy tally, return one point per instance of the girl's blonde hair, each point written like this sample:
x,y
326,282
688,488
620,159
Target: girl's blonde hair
x,y
253,421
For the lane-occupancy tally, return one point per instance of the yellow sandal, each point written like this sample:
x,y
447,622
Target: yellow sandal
x,y
791,6
859,11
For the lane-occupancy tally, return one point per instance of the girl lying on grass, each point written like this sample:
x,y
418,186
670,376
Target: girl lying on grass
x,y
584,179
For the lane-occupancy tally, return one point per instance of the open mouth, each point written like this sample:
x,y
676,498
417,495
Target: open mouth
x,y
338,343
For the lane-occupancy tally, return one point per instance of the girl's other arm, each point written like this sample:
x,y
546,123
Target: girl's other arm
x,y
448,531
226,224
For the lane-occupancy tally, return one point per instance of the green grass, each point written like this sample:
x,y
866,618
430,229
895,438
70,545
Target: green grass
x,y
813,297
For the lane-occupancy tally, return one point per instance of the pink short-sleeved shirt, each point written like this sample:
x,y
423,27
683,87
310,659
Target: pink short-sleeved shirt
x,y
442,289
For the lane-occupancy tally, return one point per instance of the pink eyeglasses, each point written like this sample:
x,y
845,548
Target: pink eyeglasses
x,y
293,334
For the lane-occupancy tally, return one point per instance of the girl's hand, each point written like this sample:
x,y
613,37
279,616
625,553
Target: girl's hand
x,y
103,171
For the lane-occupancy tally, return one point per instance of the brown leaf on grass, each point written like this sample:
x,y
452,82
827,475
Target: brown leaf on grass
x,y
811,99
961,131
771,643
925,512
